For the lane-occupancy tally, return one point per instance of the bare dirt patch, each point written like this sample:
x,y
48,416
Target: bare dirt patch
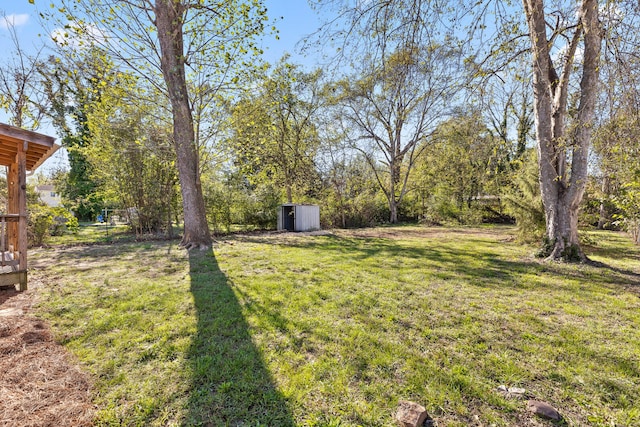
x,y
41,385
502,234
424,232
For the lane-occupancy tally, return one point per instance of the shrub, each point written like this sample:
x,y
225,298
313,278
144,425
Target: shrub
x,y
523,200
45,221
38,225
63,221
628,202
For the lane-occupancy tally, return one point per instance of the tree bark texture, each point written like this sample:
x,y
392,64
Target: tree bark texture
x,y
562,187
169,16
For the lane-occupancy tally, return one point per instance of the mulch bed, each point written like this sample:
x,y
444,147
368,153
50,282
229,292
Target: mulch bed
x,y
40,383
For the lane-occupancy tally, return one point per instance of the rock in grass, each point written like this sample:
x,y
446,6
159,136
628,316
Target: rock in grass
x,y
511,391
543,410
518,391
410,414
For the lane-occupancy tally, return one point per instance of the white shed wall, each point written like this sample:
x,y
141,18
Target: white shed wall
x,y
307,217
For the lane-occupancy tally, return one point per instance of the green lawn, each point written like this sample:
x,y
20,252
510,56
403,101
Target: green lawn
x,y
333,330
92,233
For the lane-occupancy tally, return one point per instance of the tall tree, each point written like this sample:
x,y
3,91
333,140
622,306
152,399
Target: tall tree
x,y
132,158
407,72
172,45
390,111
274,130
72,85
562,184
563,39
618,111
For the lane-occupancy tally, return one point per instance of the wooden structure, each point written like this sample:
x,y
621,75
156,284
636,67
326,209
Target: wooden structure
x,y
21,151
294,217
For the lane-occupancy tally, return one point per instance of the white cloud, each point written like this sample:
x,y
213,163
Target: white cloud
x,y
13,20
78,35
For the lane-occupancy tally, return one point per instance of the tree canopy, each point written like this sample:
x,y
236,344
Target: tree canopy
x,y
426,111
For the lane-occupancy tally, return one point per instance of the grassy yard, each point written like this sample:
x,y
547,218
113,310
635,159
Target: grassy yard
x,y
333,330
89,233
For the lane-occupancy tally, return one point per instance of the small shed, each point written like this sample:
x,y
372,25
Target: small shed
x,y
293,217
21,151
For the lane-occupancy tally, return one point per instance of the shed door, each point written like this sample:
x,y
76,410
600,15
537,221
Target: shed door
x,y
289,218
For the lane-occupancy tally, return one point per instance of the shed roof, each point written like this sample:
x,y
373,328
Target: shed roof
x,y
39,148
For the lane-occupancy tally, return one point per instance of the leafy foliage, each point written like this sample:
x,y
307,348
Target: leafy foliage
x,y
132,158
45,221
523,200
390,110
619,162
72,85
273,130
628,202
453,185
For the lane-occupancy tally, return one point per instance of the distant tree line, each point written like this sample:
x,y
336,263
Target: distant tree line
x,y
422,117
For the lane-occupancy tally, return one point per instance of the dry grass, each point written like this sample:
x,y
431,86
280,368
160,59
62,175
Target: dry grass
x,y
41,384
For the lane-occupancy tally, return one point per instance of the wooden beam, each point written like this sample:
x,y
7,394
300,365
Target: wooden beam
x,y
14,278
43,158
13,208
41,147
17,134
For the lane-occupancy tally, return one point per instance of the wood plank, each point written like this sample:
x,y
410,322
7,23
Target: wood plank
x,y
13,196
13,278
10,217
12,133
22,207
40,147
33,166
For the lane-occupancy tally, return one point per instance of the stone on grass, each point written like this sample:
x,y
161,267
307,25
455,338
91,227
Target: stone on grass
x,y
512,392
543,410
410,414
517,390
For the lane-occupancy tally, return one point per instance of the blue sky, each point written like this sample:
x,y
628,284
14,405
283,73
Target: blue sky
x,y
298,20
293,18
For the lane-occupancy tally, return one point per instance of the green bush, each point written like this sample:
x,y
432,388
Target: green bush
x,y
45,221
262,207
523,200
40,220
63,221
628,203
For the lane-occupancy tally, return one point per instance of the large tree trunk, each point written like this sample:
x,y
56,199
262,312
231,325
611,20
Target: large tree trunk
x,y
393,207
561,193
169,21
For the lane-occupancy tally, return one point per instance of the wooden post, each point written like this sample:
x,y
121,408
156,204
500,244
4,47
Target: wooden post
x,y
17,204
13,207
21,160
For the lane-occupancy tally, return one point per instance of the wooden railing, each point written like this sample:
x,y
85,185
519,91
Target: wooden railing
x,y
13,252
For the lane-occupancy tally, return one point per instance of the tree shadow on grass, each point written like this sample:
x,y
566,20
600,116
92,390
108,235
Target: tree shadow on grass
x,y
482,269
231,386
